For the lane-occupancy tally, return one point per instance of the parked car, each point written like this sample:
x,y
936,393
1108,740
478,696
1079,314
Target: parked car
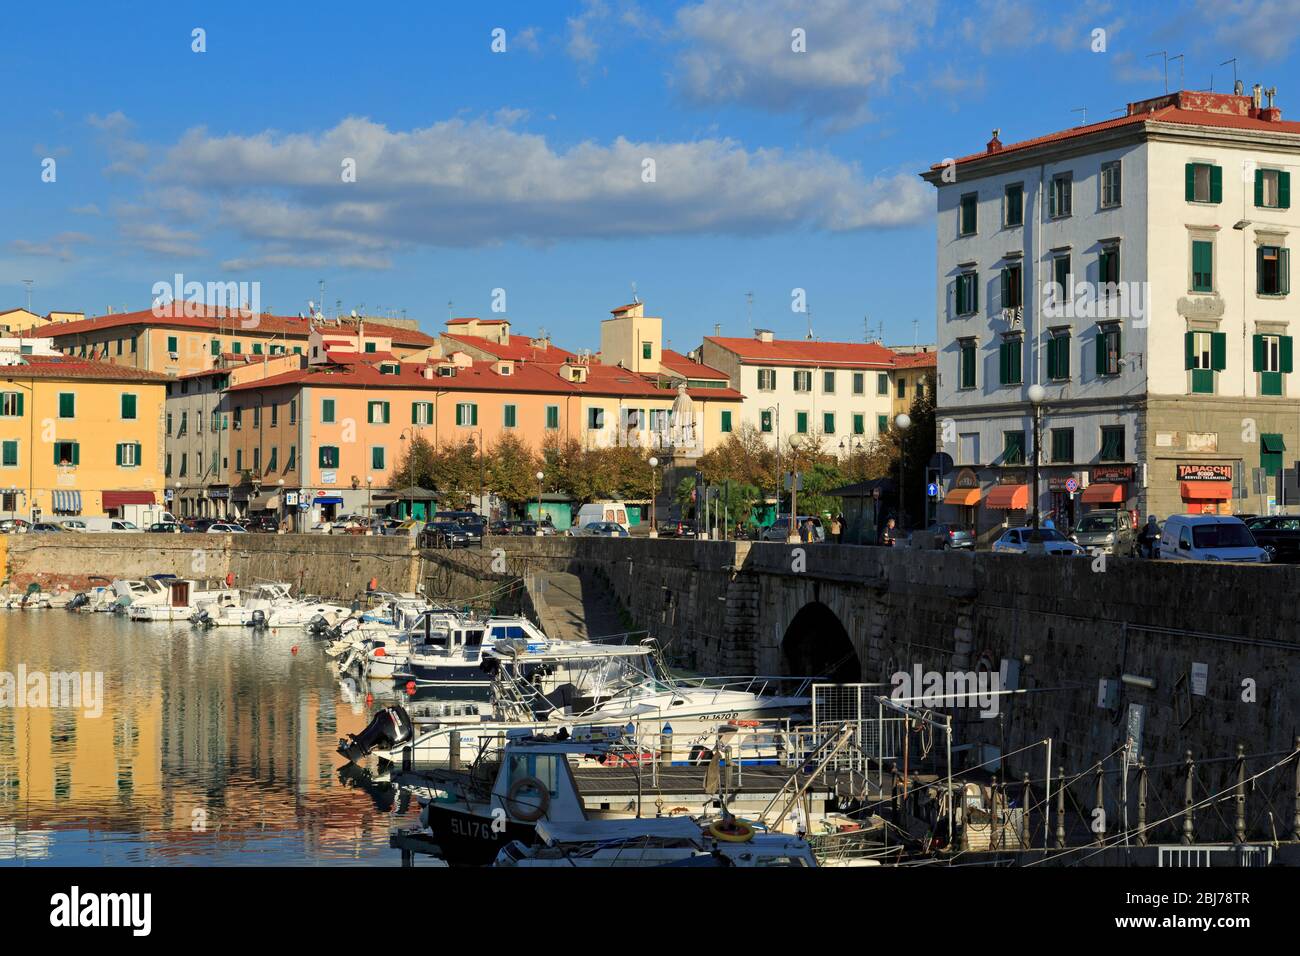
x,y
225,527
681,528
1279,535
262,524
167,527
44,527
199,524
952,536
1016,541
594,511
444,534
780,528
69,524
600,529
1108,530
1209,538
15,526
105,525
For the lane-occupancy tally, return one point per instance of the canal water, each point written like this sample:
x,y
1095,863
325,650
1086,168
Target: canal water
x,y
205,747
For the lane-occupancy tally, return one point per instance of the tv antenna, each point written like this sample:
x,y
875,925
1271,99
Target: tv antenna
x,y
1179,58
749,308
28,283
1084,111
635,300
1165,55
1233,61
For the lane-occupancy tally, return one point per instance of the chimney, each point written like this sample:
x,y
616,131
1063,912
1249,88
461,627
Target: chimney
x,y
1271,113
717,329
994,145
1255,98
763,335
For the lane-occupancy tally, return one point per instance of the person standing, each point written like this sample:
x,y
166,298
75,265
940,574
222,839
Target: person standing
x,y
889,533
835,529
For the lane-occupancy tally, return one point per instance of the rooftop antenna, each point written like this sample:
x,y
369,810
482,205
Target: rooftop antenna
x,y
866,329
916,323
810,331
449,310
1235,81
1179,58
321,284
1165,55
635,300
749,307
28,283
1084,111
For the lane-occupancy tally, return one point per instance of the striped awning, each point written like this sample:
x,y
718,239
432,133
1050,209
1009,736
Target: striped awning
x,y
67,502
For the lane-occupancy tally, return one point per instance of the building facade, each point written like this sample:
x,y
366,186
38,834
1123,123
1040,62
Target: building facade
x,y
1137,271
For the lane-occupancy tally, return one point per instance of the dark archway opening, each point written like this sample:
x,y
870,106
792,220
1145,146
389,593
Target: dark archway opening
x,y
816,645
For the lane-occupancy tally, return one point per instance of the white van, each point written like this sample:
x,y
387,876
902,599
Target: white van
x,y
105,525
614,511
1209,538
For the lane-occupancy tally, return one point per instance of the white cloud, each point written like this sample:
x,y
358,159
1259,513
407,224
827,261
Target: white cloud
x,y
58,247
1263,29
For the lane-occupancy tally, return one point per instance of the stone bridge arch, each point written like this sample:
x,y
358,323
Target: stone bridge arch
x,y
816,643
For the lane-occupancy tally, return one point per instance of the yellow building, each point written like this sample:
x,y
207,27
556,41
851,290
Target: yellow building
x,y
78,437
21,321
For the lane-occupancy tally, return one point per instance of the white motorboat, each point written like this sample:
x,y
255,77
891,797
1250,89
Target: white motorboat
x,y
130,592
269,605
185,597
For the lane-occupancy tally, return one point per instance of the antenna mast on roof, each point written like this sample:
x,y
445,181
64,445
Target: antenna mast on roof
x,y
635,300
1165,54
915,325
749,308
28,283
1179,58
1233,61
321,297
1084,111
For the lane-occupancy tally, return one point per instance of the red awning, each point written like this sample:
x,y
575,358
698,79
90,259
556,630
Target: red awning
x,y
1103,493
1008,498
1206,490
115,499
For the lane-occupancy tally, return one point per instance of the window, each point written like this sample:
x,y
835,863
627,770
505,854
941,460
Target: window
x,y
184,428
9,455
966,370
1112,443
510,416
215,346
421,413
1202,265
1273,270
121,343
67,453
216,421
1058,355
1013,448
1272,189
901,387
292,460
968,294
968,448
236,347
377,458
552,417
647,350
1062,291
1061,197
1010,360
370,346
1108,349
1108,271
882,424
167,469
966,219
329,456
1271,448
1012,286
377,413
275,415
1013,205
767,379
293,411
171,345
726,422
1273,356
802,381
1110,184
828,423
270,464
859,424
882,383
859,383
467,414
765,421
1205,353
828,383
239,418
1203,183
11,404
1062,445
257,348
257,418
67,405
801,423
327,411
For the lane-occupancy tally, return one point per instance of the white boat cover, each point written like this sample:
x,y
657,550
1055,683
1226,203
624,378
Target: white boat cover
x,y
600,831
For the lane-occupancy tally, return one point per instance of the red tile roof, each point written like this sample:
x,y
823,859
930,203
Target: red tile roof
x,y
680,364
349,357
233,323
803,352
916,360
479,321
518,348
64,366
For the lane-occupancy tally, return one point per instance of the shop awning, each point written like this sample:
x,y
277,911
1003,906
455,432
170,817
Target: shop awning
x,y
67,502
1272,444
265,502
1206,490
115,499
328,500
968,497
1103,493
1008,498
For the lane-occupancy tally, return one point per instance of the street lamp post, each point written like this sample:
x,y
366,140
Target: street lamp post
x,y
654,491
1036,396
540,476
904,422
279,524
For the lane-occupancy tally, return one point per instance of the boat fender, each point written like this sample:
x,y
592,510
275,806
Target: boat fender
x,y
731,830
230,579
528,814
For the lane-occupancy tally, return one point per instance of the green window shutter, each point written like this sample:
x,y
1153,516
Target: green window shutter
x,y
1101,353
726,421
828,423
1259,188
171,343
119,455
128,406
473,414
20,400
1189,179
1257,344
327,410
1284,271
11,454
1216,184
415,413
1218,351
76,453
859,424
387,407
1259,269
1063,356
1283,190
139,457
1283,354
801,421
1006,287
1189,350
882,423
510,416
1002,364
67,405
1270,383
377,458
216,347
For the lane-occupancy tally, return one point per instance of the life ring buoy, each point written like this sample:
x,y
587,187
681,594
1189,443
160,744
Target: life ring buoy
x,y
731,830
529,813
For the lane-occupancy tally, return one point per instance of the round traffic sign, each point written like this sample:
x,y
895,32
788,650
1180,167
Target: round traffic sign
x,y
932,490
1071,484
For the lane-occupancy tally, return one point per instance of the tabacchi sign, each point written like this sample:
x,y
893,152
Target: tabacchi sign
x,y
1192,472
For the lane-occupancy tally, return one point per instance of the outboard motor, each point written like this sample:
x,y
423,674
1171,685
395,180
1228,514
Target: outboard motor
x,y
318,625
259,618
78,601
389,728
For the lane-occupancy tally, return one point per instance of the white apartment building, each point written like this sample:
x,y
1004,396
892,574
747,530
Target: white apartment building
x,y
1138,270
796,390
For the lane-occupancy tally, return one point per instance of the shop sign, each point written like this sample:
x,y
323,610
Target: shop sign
x,y
1060,483
1203,472
329,477
1012,478
1116,474
290,498
966,478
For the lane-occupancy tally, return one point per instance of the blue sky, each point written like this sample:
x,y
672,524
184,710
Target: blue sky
x,y
524,170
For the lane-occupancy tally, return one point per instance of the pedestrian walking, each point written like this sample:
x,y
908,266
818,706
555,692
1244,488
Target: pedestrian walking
x,y
889,533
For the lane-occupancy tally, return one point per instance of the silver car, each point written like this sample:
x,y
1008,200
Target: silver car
x,y
1016,541
1107,530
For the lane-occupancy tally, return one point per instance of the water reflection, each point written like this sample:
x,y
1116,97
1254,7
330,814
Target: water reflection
x,y
212,747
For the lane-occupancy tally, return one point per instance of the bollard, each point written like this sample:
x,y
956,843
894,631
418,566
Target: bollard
x,y
666,746
1100,806
1142,802
1060,808
1240,798
1187,802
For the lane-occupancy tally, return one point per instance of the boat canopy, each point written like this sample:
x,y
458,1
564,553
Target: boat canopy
x,y
602,831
